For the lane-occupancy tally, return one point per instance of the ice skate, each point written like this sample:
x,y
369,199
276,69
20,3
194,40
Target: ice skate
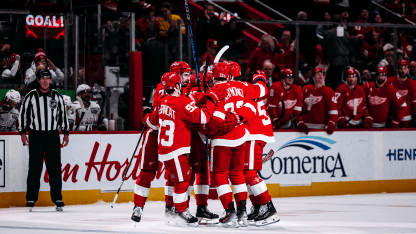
x,y
59,204
170,214
242,214
137,214
267,215
254,211
186,218
205,216
30,204
230,218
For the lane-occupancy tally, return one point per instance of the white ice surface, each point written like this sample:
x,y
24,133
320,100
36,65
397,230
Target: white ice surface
x,y
374,213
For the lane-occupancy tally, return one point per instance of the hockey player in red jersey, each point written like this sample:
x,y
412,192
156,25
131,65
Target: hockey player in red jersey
x,y
228,148
406,87
198,161
382,97
173,117
324,112
148,155
183,70
258,123
284,90
348,95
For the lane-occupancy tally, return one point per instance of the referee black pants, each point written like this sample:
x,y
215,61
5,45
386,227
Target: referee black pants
x,y
44,144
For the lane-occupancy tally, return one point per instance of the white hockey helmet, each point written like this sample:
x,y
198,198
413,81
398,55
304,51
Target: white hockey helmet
x,y
12,96
67,100
82,88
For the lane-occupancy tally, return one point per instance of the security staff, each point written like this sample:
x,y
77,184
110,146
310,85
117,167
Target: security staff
x,y
42,112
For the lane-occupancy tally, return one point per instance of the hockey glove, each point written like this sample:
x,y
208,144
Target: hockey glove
x,y
302,127
231,120
368,122
215,94
330,127
342,122
393,124
146,111
198,97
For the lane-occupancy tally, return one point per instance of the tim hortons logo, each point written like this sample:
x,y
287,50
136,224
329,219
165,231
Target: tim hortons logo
x,y
376,100
112,170
316,99
350,103
288,104
403,93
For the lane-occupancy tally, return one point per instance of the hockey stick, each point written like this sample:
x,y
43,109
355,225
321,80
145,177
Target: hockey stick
x,y
354,112
303,112
268,156
220,53
81,103
128,166
283,112
188,17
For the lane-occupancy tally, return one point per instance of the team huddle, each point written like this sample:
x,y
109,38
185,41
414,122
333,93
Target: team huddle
x,y
232,117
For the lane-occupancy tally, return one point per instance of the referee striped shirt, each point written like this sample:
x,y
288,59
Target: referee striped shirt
x,y
43,112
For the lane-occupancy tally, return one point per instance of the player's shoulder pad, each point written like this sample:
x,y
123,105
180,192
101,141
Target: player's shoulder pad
x,y
76,105
94,104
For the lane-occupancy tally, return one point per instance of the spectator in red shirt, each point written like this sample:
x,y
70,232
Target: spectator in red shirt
x,y
260,54
412,15
407,41
212,46
358,33
372,49
147,19
287,57
396,6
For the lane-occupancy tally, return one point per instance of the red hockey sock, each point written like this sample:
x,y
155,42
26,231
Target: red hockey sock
x,y
142,187
258,187
223,188
180,195
239,186
169,191
201,189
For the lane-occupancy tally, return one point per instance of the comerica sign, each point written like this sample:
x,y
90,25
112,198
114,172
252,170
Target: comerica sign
x,y
45,26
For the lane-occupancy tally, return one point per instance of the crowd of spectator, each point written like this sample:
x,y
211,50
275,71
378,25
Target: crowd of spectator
x,y
326,53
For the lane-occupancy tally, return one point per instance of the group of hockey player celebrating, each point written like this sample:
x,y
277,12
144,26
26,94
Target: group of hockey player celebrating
x,y
233,116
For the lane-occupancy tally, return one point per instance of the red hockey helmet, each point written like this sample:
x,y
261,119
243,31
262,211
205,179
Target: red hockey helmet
x,y
286,72
235,69
259,77
260,72
317,70
12,58
169,80
180,67
403,63
351,72
221,70
381,70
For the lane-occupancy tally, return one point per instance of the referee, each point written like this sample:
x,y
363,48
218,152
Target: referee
x,y
42,113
